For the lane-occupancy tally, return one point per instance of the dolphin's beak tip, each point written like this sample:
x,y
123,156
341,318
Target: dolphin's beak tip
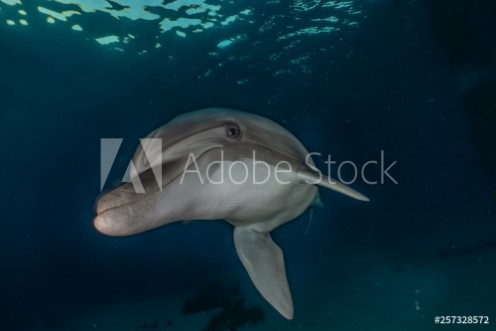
x,y
99,223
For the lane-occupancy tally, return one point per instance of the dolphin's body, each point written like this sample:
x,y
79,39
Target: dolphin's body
x,y
198,150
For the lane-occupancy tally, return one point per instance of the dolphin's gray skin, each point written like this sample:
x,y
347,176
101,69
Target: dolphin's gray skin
x,y
185,192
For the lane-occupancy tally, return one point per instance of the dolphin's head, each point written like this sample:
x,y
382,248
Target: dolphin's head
x,y
124,211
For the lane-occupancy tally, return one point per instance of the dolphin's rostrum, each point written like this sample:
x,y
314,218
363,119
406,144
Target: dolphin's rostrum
x,y
225,164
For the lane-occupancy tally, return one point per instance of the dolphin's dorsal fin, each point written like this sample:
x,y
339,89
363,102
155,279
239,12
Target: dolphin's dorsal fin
x,y
264,261
314,177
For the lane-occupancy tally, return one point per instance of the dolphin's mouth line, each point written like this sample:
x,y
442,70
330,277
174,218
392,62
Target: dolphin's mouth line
x,y
139,198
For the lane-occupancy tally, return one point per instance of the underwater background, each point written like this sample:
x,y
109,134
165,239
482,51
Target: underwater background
x,y
414,79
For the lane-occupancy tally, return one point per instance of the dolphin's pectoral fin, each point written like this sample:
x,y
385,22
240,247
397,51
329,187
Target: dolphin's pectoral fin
x,y
314,177
264,261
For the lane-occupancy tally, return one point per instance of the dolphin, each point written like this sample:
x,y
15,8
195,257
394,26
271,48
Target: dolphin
x,y
219,163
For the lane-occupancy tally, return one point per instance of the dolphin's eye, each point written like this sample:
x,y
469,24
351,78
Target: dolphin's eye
x,y
233,131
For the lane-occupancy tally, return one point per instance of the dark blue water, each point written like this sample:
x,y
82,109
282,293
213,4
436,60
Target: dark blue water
x,y
414,79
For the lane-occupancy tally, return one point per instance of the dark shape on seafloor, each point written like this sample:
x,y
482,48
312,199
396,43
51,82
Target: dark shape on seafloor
x,y
236,316
234,313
